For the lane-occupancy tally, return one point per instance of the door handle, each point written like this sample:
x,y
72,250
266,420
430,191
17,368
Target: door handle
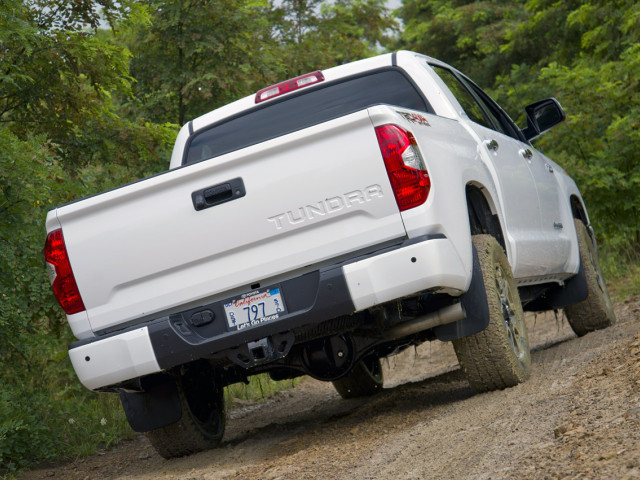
x,y
492,145
218,194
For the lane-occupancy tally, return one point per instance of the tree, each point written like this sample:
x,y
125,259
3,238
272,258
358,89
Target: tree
x,y
356,29
312,35
61,138
464,33
295,29
195,55
59,78
54,73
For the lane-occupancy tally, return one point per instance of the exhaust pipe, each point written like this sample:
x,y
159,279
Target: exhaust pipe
x,y
445,315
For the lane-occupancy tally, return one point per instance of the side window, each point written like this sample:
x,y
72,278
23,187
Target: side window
x,y
467,102
498,115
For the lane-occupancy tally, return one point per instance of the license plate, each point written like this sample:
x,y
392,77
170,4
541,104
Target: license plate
x,y
254,308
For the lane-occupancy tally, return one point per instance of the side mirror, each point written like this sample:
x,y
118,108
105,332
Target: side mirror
x,y
542,116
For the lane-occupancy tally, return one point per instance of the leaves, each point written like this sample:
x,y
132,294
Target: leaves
x,y
466,34
192,57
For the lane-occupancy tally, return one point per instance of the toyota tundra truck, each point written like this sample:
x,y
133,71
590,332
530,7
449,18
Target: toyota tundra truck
x,y
313,228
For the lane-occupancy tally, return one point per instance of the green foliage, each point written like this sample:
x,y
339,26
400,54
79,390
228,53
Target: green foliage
x,y
54,79
21,432
65,16
311,35
190,57
39,389
45,413
466,34
61,139
61,81
25,308
41,420
30,183
621,268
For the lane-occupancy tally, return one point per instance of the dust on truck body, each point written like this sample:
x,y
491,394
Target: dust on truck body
x,y
314,228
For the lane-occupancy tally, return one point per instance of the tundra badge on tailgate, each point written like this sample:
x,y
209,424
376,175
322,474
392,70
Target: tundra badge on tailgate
x,y
326,206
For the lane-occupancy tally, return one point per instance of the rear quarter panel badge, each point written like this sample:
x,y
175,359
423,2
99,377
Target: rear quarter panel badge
x,y
415,118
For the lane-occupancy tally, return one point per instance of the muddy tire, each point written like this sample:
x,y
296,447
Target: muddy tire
x,y
203,420
497,357
365,379
596,311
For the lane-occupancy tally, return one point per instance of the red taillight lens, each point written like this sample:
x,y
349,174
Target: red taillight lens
x,y
405,167
62,280
289,86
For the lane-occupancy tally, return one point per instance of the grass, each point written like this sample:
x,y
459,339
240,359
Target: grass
x,y
67,421
259,388
621,268
52,421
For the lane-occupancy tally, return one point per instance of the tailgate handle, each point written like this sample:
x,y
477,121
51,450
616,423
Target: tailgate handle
x,y
218,194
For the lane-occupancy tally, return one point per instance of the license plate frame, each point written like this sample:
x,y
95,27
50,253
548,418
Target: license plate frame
x,y
254,308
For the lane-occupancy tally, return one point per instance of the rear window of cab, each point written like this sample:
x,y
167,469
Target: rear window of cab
x,y
320,103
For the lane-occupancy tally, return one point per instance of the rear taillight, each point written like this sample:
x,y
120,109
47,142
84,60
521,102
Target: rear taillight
x,y
62,280
405,166
289,86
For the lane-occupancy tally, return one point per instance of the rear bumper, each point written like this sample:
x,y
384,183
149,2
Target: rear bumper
x,y
417,265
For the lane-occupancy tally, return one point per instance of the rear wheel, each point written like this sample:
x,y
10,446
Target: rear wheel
x,y
203,420
596,311
364,379
497,357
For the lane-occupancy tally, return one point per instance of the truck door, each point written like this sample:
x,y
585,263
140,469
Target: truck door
x,y
552,235
530,198
554,229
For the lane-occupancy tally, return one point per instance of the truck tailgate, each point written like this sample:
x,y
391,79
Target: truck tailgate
x,y
310,196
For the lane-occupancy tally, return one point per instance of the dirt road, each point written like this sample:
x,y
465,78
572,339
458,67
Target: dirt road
x,y
577,417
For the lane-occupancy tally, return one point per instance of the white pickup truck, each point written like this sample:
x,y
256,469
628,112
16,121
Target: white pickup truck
x,y
313,228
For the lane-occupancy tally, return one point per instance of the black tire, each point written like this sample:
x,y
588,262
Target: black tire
x,y
364,379
596,311
497,357
203,420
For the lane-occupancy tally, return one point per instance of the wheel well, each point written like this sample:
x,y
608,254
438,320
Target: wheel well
x,y
481,218
577,210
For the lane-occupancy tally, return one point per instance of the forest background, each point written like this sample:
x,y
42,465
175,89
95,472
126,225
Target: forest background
x,y
92,93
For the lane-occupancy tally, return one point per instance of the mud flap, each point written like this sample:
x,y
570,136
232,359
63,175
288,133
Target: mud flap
x,y
156,407
574,291
474,303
